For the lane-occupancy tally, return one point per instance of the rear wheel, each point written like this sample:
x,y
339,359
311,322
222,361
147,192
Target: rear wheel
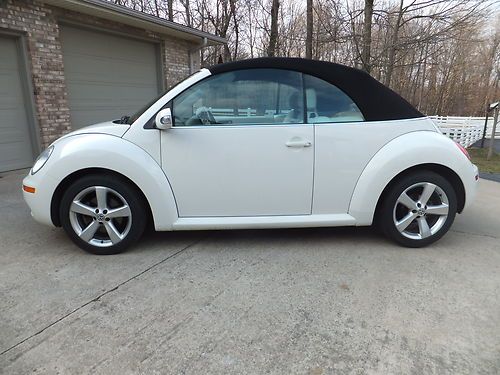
x,y
418,209
102,214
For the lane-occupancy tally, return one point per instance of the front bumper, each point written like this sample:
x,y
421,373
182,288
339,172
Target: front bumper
x,y
40,201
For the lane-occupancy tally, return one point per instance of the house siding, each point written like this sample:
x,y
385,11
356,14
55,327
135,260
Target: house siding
x,y
40,25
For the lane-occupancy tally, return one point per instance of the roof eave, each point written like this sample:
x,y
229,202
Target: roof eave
x,y
119,13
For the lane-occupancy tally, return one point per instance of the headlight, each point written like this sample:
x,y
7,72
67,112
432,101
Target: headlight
x,y
42,159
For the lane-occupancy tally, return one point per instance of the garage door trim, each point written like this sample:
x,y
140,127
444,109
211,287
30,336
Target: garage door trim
x,y
160,73
27,88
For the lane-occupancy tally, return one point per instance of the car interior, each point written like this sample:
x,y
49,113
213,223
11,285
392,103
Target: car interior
x,y
227,99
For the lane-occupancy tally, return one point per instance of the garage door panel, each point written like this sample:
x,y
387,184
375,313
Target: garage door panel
x,y
90,68
101,113
103,103
107,76
105,45
105,94
15,139
9,155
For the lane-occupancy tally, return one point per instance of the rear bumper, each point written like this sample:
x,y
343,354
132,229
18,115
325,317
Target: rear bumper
x,y
470,180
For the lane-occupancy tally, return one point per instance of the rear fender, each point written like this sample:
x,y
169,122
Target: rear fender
x,y
404,152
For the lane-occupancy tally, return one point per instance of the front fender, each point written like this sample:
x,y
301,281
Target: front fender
x,y
85,151
404,152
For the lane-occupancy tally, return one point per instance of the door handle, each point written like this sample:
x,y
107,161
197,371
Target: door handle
x,y
298,143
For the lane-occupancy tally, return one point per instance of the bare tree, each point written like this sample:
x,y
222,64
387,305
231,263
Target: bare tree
x,y
170,7
187,12
220,19
273,37
393,44
441,55
367,36
309,29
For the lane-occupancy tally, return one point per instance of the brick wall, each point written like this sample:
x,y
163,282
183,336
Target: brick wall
x,y
176,57
39,22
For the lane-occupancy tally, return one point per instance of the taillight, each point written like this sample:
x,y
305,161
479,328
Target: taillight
x,y
463,149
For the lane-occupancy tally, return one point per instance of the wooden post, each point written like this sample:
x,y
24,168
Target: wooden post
x,y
485,126
492,139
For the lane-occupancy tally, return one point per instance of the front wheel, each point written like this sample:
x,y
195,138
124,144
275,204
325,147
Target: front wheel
x,y
102,214
418,209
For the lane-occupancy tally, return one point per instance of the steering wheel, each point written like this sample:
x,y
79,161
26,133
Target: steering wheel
x,y
206,116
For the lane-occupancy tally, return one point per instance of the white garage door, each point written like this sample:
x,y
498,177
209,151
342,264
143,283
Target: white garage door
x,y
15,142
107,76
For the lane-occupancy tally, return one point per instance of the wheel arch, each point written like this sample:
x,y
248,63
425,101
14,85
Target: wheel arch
x,y
419,150
74,176
82,154
442,170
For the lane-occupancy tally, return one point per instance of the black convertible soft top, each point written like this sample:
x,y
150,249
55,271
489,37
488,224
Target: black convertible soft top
x,y
376,101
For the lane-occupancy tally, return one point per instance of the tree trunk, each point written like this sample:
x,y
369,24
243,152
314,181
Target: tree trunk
x,y
422,85
392,48
157,8
250,31
187,9
273,37
367,37
309,29
490,67
170,7
236,26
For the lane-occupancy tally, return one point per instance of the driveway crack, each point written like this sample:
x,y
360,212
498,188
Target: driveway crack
x,y
101,295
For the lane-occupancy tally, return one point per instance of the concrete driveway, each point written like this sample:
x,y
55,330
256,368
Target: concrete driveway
x,y
315,301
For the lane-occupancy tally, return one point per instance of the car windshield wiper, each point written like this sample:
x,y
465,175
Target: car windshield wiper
x,y
124,119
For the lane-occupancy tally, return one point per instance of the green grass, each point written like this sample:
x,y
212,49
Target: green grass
x,y
478,156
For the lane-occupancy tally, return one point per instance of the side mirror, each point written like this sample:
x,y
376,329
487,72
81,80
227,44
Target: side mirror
x,y
163,120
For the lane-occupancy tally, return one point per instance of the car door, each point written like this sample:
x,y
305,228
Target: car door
x,y
239,146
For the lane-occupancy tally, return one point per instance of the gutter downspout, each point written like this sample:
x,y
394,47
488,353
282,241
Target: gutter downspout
x,y
192,53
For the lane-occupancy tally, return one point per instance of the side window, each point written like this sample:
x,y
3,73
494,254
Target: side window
x,y
327,103
242,97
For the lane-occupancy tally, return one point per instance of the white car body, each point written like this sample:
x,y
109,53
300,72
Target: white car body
x,y
202,177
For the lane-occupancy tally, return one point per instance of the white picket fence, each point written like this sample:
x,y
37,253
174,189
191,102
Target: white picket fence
x,y
464,130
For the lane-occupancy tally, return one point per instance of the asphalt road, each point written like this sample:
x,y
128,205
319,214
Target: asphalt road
x,y
315,301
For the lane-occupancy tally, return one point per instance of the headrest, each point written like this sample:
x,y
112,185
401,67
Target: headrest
x,y
311,99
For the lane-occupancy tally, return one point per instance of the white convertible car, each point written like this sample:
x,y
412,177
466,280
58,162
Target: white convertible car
x,y
262,143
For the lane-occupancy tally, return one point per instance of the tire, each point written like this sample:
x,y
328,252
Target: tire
x,y
418,209
103,214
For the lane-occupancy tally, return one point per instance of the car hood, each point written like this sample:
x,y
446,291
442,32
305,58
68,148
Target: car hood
x,y
108,127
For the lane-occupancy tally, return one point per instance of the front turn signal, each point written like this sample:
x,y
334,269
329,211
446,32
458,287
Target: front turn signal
x,y
29,189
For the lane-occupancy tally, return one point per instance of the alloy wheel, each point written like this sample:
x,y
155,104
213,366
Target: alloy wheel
x,y
100,216
421,210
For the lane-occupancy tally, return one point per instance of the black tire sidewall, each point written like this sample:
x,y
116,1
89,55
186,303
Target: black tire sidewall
x,y
128,192
385,218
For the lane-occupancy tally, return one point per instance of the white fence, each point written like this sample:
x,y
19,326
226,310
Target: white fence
x,y
464,130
